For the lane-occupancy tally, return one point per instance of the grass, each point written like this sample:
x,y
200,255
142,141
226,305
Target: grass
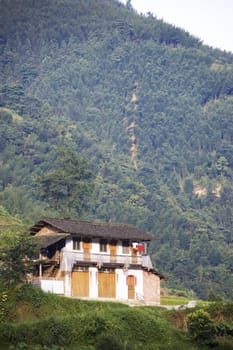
x,y
37,320
173,300
203,303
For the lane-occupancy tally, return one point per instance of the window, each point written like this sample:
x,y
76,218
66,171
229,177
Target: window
x,y
103,245
106,270
125,247
80,268
76,243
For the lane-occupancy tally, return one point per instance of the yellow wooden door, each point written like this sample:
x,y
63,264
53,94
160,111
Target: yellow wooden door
x,y
86,249
113,251
131,287
80,284
107,284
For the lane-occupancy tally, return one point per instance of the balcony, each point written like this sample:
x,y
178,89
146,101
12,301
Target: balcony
x,y
68,259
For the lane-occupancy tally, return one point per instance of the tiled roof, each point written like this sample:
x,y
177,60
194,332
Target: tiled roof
x,y
93,229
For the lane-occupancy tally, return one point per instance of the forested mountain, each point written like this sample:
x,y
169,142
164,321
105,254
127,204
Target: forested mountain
x,y
150,110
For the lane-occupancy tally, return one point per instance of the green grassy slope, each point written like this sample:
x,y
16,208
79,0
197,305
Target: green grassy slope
x,y
53,322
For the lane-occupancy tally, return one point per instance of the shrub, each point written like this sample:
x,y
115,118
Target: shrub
x,y
111,341
53,331
31,294
201,327
93,324
23,346
3,301
224,328
106,342
221,310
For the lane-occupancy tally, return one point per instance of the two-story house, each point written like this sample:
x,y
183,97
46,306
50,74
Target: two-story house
x,y
95,260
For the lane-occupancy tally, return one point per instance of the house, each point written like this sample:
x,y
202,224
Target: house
x,y
95,260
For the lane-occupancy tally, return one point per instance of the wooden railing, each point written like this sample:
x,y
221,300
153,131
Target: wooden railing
x,y
68,259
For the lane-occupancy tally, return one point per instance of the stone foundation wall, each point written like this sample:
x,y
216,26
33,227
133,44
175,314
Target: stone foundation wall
x,y
151,288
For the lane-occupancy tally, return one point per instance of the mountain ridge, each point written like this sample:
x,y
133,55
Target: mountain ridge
x,y
146,104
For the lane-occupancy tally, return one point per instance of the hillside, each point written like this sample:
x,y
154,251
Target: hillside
x,y
148,106
33,319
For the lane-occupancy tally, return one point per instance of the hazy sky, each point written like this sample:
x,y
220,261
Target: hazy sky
x,y
209,20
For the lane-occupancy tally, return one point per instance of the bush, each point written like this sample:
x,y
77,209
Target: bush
x,y
106,342
201,327
221,310
224,328
93,325
3,302
31,294
53,331
23,346
111,341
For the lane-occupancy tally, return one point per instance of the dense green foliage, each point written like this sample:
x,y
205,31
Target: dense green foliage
x,y
36,320
150,109
10,227
201,327
67,187
16,261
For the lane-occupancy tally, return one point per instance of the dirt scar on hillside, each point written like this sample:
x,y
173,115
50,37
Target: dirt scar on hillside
x,y
131,128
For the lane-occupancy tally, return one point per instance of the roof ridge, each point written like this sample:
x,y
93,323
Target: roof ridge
x,y
86,222
95,229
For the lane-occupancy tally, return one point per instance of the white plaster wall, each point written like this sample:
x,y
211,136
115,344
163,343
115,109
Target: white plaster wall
x,y
94,247
139,280
93,291
69,244
68,284
122,286
53,286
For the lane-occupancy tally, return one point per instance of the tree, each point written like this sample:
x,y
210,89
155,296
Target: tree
x,y
129,5
16,260
188,186
68,186
222,165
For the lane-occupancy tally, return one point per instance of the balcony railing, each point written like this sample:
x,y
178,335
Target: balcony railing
x,y
68,259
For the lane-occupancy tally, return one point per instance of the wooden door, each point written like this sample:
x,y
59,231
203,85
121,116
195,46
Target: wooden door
x,y
80,284
87,249
107,284
113,251
131,287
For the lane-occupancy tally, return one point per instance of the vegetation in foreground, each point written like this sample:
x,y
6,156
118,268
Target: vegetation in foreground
x,y
32,319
